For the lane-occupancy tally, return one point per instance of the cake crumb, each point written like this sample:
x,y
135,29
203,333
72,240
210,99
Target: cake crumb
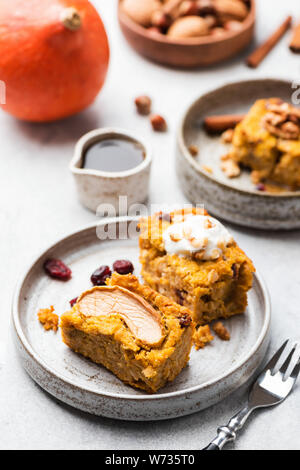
x,y
202,337
208,169
221,331
193,149
227,136
48,319
230,168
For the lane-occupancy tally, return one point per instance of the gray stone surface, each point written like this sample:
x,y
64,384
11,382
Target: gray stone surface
x,y
38,205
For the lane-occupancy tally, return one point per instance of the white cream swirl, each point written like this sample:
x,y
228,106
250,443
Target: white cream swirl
x,y
197,234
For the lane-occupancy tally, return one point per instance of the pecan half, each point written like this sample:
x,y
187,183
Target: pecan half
x,y
282,120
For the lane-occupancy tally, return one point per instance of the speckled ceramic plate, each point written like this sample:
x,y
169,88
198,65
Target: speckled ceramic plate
x,y
237,199
212,373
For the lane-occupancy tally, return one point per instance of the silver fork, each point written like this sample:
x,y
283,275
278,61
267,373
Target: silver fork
x,y
272,386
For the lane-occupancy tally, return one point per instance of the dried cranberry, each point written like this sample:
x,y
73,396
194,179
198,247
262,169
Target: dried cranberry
x,y
180,296
185,320
260,187
235,270
99,277
73,301
123,266
57,269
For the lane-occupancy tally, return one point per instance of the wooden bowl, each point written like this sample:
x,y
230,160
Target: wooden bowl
x,y
195,52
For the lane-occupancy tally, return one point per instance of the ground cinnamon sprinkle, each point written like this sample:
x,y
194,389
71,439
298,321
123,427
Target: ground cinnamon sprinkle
x,y
202,337
221,331
48,319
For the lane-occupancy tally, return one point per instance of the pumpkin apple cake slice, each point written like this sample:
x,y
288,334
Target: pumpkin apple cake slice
x,y
138,334
191,258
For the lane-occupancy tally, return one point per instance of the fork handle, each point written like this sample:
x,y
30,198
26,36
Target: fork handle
x,y
228,433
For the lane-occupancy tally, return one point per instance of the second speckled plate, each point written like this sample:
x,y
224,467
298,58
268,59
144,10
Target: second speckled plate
x,y
212,373
235,200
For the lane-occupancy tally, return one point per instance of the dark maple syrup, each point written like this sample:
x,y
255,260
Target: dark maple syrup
x,y
113,155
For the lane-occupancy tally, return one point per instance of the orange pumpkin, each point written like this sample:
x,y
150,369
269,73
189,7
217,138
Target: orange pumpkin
x,y
53,57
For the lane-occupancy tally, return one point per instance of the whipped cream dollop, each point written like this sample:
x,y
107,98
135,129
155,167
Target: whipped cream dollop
x,y
197,234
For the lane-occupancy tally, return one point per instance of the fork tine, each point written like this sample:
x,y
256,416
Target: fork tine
x,y
295,371
273,361
288,360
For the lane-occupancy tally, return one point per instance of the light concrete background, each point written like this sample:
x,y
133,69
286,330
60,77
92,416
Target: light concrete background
x,y
39,205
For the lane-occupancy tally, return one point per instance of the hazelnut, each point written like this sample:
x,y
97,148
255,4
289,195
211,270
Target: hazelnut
x,y
143,105
193,149
141,12
188,27
161,20
158,123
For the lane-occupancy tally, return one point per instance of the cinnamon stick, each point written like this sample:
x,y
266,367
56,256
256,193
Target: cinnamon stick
x,y
219,124
295,42
262,51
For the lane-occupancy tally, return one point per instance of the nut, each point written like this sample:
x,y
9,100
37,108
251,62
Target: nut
x,y
143,105
230,168
227,136
290,130
205,7
211,21
208,224
188,27
282,120
193,149
141,12
154,31
215,254
175,237
233,26
218,32
161,20
198,256
197,243
158,123
230,10
188,8
187,232
213,276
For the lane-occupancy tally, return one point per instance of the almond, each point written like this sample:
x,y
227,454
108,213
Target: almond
x,y
188,27
228,10
141,11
